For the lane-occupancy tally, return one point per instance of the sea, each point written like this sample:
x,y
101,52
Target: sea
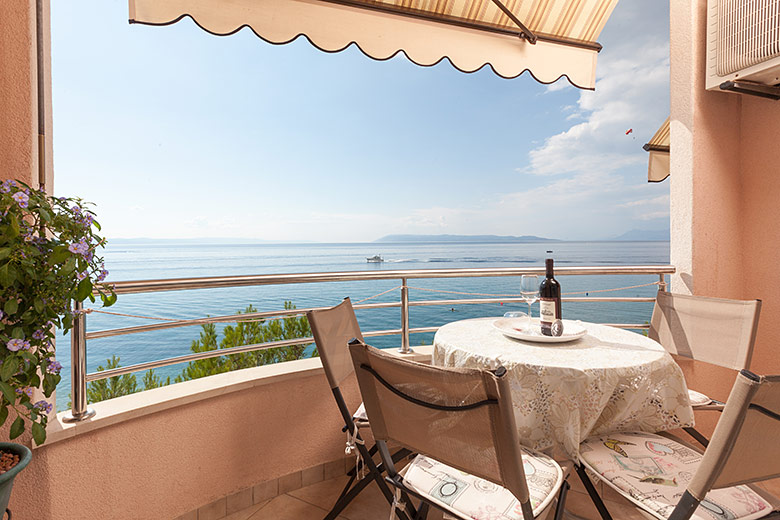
x,y
139,260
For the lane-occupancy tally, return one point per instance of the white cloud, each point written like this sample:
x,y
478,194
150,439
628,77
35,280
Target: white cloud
x,y
660,200
627,97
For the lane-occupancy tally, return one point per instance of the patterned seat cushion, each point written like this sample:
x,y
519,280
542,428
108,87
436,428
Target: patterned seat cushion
x,y
467,496
653,472
697,398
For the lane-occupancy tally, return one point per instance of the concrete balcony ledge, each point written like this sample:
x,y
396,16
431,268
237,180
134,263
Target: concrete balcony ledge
x,y
204,446
147,402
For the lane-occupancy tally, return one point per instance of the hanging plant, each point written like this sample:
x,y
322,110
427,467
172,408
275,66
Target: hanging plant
x,y
48,261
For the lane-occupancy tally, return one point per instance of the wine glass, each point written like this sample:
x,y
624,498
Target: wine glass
x,y
529,290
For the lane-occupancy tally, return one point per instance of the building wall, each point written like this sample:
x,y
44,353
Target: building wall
x,y
760,221
17,89
18,92
171,462
724,185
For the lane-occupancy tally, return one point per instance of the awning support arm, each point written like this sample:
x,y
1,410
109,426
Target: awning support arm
x,y
531,37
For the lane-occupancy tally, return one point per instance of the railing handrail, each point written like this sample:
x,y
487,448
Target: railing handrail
x,y
78,346
214,282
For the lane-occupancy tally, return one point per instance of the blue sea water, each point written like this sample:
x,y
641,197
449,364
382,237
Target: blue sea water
x,y
157,260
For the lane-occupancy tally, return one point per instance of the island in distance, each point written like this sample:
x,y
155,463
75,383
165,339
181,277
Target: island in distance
x,y
464,238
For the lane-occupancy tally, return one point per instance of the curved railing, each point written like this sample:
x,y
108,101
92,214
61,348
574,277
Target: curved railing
x,y
79,337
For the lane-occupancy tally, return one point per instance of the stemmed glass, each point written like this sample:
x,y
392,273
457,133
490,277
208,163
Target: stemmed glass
x,y
529,290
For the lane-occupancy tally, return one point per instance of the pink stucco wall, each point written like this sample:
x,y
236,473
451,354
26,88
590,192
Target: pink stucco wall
x,y
760,221
724,185
17,90
171,462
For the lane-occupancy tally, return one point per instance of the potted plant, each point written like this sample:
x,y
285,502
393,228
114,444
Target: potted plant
x,y
48,261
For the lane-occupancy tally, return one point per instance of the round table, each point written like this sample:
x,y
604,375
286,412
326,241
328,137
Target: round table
x,y
610,379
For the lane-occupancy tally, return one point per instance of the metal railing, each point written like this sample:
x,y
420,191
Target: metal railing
x,y
79,336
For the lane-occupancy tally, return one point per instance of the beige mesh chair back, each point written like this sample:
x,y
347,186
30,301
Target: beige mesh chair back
x,y
461,418
333,329
713,330
745,447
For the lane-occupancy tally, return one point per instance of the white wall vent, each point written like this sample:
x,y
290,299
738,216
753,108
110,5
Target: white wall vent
x,y
743,45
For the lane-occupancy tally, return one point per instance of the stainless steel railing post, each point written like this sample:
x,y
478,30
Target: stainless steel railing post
x,y
78,367
661,282
405,349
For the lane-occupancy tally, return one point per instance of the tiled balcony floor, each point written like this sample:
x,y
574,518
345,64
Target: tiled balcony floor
x,y
313,503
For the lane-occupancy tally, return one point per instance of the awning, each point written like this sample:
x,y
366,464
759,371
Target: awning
x,y
658,163
549,38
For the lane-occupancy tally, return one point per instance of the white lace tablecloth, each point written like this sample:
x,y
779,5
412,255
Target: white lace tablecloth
x,y
610,379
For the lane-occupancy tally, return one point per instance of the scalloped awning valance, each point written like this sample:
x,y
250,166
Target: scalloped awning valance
x,y
658,168
549,38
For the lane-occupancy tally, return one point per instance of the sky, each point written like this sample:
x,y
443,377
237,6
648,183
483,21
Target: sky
x,y
175,133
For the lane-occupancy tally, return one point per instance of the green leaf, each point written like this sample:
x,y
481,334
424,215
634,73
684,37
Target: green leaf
x,y
17,428
4,252
13,229
17,333
39,305
38,433
45,215
108,299
69,266
8,392
60,254
9,368
7,275
3,414
84,289
11,306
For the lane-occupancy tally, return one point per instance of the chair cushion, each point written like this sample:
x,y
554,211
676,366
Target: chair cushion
x,y
697,398
653,472
360,414
468,496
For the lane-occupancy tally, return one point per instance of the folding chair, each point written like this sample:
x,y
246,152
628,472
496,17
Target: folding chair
x,y
462,424
713,330
332,330
669,480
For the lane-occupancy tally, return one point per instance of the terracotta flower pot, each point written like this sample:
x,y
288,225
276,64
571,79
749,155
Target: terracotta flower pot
x,y
7,478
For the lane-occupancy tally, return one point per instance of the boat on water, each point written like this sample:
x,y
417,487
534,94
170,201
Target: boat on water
x,y
375,259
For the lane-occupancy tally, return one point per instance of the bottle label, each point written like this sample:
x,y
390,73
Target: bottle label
x,y
547,310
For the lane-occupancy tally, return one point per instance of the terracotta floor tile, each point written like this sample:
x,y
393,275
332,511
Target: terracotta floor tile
x,y
285,507
247,513
322,494
368,505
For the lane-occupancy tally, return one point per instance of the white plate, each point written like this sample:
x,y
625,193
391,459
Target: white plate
x,y
514,328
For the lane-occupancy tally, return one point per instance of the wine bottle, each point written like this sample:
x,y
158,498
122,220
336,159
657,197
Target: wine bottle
x,y
549,298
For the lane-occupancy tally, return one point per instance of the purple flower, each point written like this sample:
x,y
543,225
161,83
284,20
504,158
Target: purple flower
x,y
102,275
75,209
79,247
26,390
54,367
16,345
43,406
80,276
21,198
7,185
39,334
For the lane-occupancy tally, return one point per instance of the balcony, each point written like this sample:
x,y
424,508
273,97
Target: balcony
x,y
262,442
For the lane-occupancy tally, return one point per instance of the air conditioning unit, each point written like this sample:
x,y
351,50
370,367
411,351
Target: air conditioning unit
x,y
743,46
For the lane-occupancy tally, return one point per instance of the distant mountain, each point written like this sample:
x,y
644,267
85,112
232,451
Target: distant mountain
x,y
644,235
463,238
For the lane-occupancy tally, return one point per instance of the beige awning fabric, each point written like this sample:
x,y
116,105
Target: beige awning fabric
x,y
470,33
658,146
